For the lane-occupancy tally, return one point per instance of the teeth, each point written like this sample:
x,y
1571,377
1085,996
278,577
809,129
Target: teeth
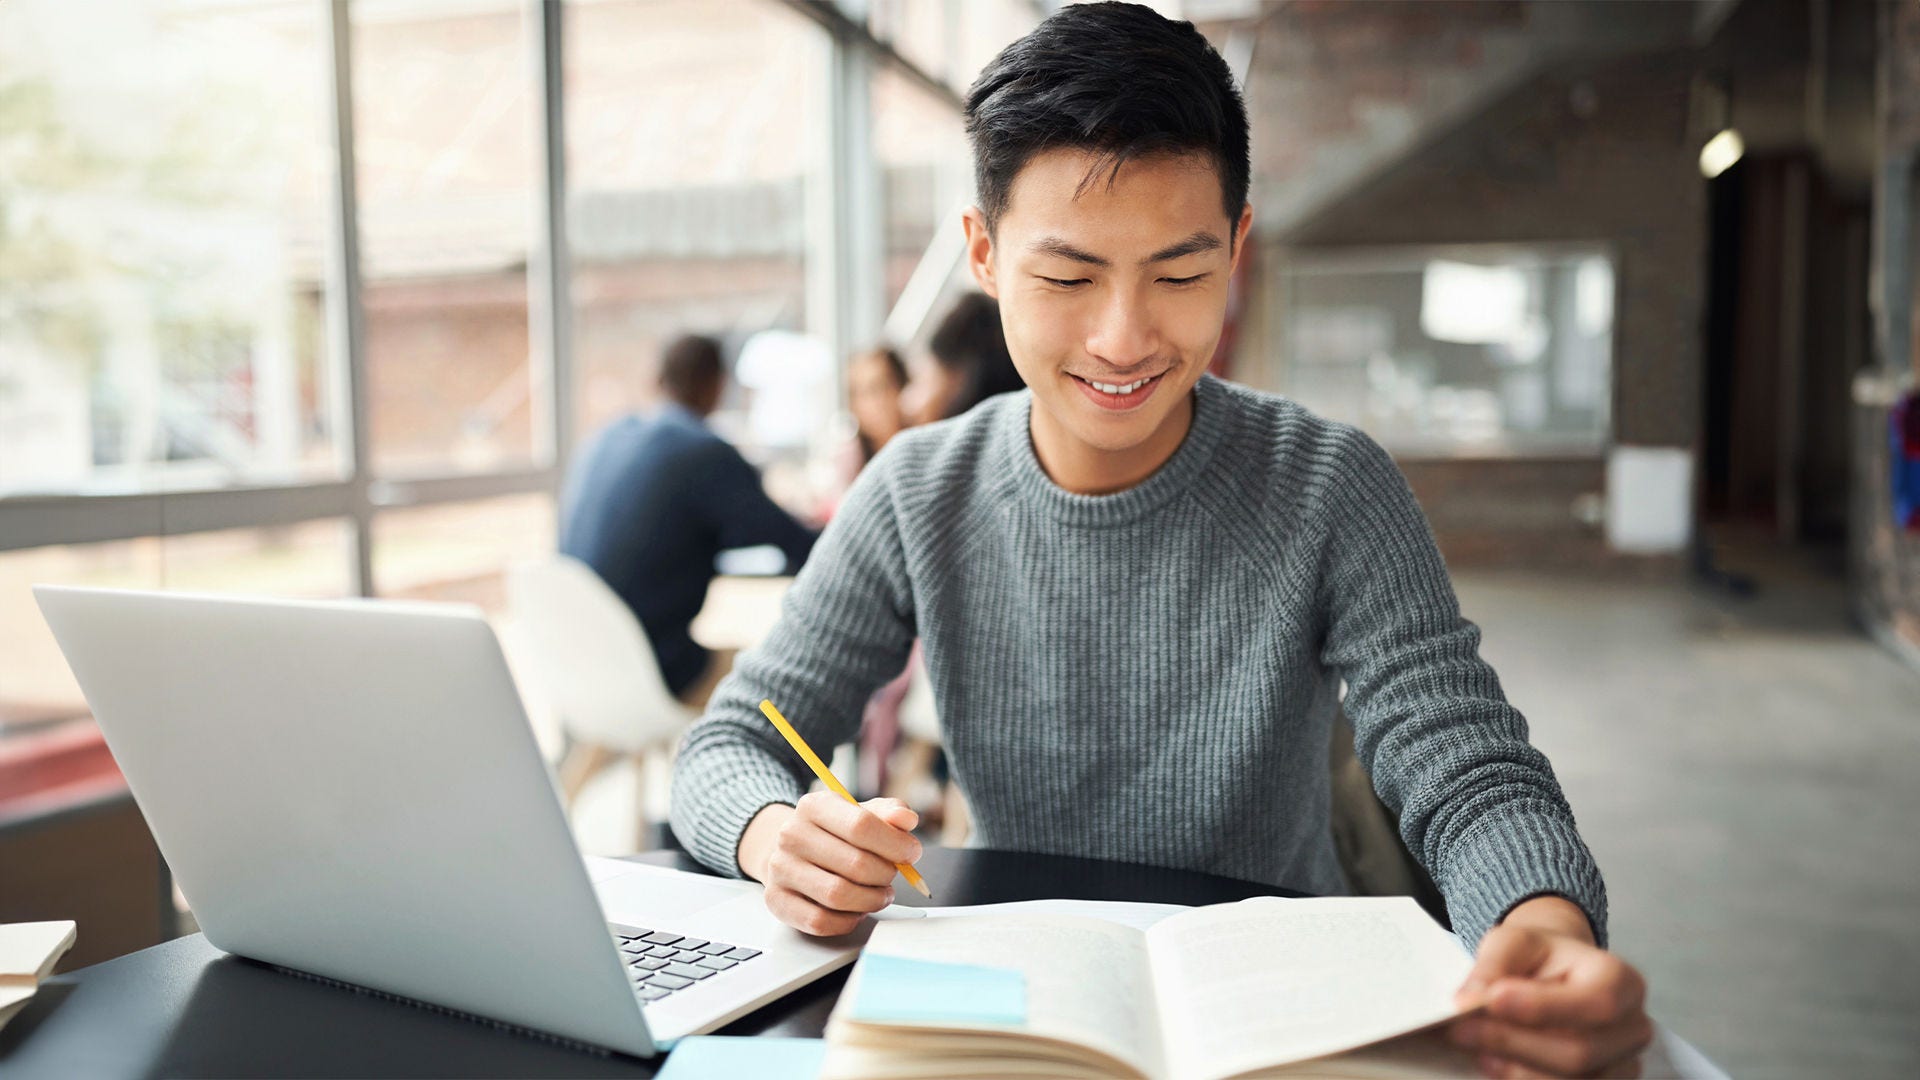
x,y
1110,388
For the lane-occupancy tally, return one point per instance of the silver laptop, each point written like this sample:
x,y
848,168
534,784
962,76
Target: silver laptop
x,y
350,790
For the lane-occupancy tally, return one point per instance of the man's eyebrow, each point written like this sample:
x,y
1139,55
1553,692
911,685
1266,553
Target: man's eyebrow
x,y
1053,245
1192,245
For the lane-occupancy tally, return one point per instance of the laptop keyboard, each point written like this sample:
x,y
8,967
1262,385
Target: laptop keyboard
x,y
660,962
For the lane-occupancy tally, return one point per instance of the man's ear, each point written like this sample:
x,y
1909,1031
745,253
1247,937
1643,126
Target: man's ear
x,y
1241,231
980,251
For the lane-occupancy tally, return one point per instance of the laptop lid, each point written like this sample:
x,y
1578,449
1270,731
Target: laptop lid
x,y
351,789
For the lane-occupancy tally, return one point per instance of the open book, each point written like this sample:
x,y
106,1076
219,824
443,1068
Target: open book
x,y
28,952
1264,987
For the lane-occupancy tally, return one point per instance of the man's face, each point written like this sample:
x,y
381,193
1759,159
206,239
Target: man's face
x,y
1122,286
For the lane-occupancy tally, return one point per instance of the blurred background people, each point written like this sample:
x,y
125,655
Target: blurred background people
x,y
967,363
875,380
651,501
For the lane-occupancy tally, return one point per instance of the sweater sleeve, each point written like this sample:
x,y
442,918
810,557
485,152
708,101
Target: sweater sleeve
x,y
1477,804
845,628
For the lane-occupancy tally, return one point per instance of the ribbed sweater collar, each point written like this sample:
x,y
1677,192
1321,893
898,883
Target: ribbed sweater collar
x,y
1014,447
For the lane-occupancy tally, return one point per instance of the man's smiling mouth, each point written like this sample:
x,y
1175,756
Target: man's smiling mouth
x,y
1117,389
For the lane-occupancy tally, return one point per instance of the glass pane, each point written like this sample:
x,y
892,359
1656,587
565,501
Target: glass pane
x,y
925,172
460,551
950,40
1458,350
925,32
691,132
444,137
35,685
164,207
311,559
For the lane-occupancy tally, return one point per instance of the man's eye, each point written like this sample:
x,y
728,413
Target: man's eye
x,y
1065,283
1182,280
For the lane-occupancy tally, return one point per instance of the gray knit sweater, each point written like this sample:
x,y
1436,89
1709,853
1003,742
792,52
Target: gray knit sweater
x,y
1151,675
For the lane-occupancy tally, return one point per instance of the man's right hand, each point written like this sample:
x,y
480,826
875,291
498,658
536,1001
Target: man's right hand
x,y
826,862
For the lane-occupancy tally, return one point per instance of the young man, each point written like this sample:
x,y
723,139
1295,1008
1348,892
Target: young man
x,y
652,500
1139,588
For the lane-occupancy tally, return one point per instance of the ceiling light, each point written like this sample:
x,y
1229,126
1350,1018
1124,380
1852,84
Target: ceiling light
x,y
1720,153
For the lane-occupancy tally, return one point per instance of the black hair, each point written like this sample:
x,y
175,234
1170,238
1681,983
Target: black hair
x,y
970,341
691,369
1116,79
889,357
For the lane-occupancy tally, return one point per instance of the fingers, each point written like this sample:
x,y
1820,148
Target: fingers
x,y
1504,951
808,917
1606,1050
833,862
894,812
826,888
823,849
1599,988
1554,1007
860,827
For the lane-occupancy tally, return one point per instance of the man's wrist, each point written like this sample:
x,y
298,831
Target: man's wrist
x,y
1552,915
757,839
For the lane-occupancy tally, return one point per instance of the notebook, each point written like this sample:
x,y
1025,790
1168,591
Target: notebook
x,y
28,952
1264,987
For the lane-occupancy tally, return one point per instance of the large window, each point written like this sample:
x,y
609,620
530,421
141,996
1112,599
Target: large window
x,y
690,145
1469,350
443,100
921,147
308,559
163,218
240,353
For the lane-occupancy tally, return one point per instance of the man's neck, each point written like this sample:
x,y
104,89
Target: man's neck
x,y
1087,470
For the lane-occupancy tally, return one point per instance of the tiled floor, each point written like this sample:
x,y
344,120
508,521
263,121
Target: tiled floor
x,y
1748,775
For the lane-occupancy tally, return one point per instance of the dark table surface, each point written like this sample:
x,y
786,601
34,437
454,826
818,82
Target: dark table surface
x,y
187,1009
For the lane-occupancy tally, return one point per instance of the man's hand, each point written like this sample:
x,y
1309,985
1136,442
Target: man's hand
x,y
1556,1003
827,862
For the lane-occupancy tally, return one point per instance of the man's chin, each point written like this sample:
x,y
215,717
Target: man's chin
x,y
1114,435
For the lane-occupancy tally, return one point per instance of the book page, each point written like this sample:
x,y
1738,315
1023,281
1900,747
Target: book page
x,y
1086,979
1138,915
1269,981
28,951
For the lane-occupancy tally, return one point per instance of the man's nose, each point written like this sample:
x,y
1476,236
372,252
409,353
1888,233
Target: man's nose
x,y
1122,333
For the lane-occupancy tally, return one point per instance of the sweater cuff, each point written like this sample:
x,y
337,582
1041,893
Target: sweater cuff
x,y
1508,859
712,825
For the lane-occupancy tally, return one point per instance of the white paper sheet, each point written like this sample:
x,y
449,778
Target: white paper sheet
x,y
1125,913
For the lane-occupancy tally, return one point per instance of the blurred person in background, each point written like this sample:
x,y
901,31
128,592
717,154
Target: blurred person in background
x,y
969,363
875,380
652,499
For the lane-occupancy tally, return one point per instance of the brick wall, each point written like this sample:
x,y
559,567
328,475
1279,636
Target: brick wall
x,y
1595,154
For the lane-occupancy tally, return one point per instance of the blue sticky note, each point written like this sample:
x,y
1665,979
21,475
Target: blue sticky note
x,y
728,1057
894,989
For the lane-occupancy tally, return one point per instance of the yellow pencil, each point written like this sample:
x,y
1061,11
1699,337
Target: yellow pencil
x,y
826,777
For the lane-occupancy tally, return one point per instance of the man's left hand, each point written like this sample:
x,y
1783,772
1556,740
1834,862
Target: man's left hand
x,y
1556,1003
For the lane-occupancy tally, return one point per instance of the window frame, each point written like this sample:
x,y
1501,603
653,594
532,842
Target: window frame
x,y
843,235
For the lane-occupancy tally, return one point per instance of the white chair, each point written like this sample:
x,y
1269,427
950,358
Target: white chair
x,y
589,661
